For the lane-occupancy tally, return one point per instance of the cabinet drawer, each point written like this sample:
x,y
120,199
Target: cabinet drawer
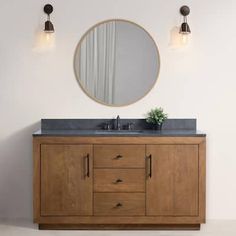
x,y
119,156
122,204
119,180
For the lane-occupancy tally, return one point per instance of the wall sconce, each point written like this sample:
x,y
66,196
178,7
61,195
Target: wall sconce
x,y
45,37
184,28
49,28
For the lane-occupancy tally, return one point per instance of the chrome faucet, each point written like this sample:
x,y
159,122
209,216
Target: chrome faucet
x,y
118,125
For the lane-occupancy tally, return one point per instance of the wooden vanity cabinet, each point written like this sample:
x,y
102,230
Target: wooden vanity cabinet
x,y
172,185
66,180
119,182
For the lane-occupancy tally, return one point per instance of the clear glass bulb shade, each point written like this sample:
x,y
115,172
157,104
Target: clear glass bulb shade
x,y
177,39
184,39
44,41
49,37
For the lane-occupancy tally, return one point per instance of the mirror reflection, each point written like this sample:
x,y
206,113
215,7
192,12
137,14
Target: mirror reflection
x,y
116,62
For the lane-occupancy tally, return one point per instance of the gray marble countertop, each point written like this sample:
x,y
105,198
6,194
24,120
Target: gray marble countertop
x,y
95,127
117,133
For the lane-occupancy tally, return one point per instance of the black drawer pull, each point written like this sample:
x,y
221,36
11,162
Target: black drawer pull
x,y
118,181
118,157
118,205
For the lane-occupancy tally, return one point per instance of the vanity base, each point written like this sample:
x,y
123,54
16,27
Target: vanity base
x,y
119,227
119,183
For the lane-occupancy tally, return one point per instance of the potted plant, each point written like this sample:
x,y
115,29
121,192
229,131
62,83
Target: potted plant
x,y
156,117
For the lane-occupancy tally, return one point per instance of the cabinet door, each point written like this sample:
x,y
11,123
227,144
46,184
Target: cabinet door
x,y
172,188
66,180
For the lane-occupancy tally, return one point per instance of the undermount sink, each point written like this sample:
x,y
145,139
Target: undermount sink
x,y
118,131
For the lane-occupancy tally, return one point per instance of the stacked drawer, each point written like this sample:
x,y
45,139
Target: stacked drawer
x,y
119,180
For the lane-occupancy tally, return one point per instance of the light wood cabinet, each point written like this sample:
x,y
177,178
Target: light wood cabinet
x,y
66,180
172,188
119,182
119,204
119,156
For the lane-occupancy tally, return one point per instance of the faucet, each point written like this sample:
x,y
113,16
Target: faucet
x,y
117,123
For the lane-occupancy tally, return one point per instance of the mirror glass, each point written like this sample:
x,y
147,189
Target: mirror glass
x,y
116,62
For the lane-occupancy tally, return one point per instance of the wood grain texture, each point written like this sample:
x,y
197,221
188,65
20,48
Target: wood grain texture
x,y
65,188
120,140
106,204
106,156
173,188
120,226
119,180
202,181
120,220
36,180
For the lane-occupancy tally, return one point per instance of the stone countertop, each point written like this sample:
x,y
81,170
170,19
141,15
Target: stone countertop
x,y
121,133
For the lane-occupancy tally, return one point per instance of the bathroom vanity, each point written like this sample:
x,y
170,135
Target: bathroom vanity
x,y
137,179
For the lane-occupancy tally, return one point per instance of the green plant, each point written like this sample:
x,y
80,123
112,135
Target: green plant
x,y
156,116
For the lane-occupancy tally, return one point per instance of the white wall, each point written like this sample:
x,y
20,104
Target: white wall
x,y
198,81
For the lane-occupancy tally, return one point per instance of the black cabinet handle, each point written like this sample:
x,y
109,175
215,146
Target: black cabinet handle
x,y
150,165
87,163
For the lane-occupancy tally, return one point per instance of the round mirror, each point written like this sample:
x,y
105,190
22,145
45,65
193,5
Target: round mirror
x,y
116,62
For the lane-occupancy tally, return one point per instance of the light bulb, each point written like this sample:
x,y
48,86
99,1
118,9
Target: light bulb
x,y
184,39
49,39
48,36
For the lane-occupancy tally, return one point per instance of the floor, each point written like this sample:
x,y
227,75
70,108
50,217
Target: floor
x,y
24,228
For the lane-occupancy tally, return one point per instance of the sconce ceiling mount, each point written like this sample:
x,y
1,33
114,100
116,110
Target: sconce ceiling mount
x,y
48,9
184,10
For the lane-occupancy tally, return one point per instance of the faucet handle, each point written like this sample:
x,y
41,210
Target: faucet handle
x,y
130,125
107,126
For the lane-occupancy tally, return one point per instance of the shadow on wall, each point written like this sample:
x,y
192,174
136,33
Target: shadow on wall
x,y
16,171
